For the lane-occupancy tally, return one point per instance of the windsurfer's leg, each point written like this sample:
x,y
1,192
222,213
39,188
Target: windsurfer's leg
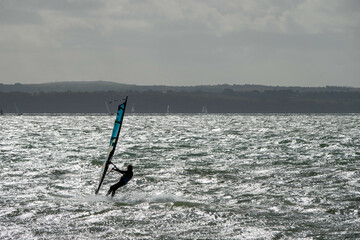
x,y
114,187
110,190
113,194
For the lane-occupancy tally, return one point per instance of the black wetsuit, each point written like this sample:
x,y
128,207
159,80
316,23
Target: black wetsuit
x,y
125,178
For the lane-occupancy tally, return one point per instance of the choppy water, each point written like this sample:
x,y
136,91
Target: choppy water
x,y
196,177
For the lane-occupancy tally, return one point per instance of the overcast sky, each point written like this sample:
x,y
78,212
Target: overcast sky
x,y
181,42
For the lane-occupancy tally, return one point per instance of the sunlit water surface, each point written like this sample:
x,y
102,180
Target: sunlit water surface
x,y
195,177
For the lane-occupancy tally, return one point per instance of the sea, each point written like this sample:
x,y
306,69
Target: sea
x,y
196,176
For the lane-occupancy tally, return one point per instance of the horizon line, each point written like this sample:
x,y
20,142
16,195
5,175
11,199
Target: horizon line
x,y
179,86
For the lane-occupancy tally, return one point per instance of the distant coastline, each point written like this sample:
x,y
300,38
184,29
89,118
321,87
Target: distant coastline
x,y
89,97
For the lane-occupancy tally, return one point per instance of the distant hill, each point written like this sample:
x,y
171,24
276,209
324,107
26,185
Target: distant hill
x,y
64,87
94,86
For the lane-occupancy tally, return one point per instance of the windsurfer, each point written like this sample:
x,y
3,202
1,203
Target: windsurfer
x,y
125,178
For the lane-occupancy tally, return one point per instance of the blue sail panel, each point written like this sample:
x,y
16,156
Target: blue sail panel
x,y
118,122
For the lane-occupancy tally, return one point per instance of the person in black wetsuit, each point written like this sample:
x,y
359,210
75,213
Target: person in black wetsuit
x,y
125,178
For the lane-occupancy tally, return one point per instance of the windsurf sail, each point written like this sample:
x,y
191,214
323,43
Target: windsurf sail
x,y
113,141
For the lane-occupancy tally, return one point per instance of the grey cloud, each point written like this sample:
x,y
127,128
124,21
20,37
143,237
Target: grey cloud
x,y
205,41
55,5
19,17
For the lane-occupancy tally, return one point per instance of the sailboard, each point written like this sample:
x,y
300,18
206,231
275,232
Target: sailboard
x,y
113,141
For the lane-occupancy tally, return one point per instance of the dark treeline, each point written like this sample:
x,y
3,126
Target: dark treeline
x,y
227,101
92,86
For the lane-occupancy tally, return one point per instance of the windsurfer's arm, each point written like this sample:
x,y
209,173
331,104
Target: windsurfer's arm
x,y
116,169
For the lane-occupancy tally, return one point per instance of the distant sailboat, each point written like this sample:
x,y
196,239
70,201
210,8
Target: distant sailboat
x,y
132,109
204,109
17,109
107,108
168,109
